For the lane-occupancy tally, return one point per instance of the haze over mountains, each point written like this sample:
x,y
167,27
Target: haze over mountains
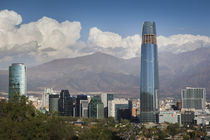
x,y
102,72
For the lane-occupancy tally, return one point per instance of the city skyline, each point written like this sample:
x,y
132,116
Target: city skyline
x,y
91,74
13,18
50,30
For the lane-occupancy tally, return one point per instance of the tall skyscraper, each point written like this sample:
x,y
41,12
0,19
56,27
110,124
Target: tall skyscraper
x,y
65,103
17,79
193,98
149,77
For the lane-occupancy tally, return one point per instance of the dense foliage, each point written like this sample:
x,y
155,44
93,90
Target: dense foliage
x,y
19,120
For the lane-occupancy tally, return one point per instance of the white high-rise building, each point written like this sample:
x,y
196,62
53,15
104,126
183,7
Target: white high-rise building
x,y
193,98
83,108
112,106
104,99
45,98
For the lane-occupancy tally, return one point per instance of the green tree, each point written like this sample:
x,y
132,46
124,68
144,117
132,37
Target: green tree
x,y
147,132
173,129
186,137
19,120
98,133
161,134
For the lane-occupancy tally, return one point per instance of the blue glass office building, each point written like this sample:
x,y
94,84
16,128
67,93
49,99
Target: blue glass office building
x,y
149,77
17,79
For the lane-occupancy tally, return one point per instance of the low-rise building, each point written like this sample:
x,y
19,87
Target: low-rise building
x,y
202,117
170,117
187,118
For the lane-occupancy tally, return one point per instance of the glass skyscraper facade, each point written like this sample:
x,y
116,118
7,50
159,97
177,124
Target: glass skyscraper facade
x,y
53,102
193,98
17,79
65,103
78,104
96,108
118,107
149,77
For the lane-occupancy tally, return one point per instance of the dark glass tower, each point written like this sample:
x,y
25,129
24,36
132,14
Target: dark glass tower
x,y
65,103
78,105
149,77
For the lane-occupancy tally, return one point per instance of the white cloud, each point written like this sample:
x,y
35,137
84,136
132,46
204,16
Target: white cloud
x,y
44,34
8,20
47,39
110,41
182,43
104,39
130,46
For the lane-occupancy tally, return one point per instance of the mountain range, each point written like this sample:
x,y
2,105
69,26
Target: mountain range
x,y
103,72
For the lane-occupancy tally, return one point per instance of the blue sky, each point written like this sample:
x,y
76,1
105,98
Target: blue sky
x,y
37,31
121,16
